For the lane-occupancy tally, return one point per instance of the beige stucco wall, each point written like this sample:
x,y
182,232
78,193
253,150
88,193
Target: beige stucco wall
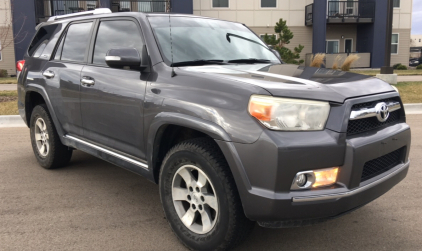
x,y
404,47
402,17
7,49
302,35
250,12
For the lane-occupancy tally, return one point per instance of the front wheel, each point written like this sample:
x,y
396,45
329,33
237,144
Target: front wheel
x,y
200,198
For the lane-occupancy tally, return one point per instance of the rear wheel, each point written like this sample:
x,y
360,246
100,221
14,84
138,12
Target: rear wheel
x,y
200,198
48,149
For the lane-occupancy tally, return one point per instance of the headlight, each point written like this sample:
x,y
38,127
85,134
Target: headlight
x,y
287,114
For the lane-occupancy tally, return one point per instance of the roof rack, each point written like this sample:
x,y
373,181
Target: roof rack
x,y
84,13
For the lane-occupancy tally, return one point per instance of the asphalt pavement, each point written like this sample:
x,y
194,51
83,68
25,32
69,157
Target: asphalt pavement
x,y
94,205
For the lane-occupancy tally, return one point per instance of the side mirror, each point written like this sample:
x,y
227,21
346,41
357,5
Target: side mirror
x,y
123,57
128,57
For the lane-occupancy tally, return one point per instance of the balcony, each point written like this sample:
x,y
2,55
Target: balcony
x,y
344,12
139,6
47,8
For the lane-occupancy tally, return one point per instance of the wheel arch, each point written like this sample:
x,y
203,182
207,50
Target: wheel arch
x,y
35,95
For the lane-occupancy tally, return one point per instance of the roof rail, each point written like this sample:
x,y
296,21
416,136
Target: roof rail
x,y
84,13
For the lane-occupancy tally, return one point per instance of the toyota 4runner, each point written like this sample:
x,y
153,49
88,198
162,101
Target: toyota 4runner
x,y
209,112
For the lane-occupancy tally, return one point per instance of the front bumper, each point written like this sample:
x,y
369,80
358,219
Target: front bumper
x,y
271,163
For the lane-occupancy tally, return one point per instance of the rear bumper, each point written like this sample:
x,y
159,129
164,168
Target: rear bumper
x,y
271,163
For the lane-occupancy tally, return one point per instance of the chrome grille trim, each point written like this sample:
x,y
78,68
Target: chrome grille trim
x,y
368,112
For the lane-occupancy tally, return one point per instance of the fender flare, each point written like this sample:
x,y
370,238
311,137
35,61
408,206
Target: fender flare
x,y
41,90
213,130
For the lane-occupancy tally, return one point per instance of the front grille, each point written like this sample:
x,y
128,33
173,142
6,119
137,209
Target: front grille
x,y
368,124
382,164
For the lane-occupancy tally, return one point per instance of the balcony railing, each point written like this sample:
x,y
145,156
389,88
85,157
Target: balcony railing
x,y
364,60
351,9
47,8
345,12
139,6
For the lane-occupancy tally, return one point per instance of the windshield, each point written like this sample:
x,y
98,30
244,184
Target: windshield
x,y
200,41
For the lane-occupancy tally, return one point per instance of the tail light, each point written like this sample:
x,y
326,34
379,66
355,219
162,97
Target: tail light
x,y
19,65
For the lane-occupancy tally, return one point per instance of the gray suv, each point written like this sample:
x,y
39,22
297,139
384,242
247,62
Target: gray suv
x,y
205,109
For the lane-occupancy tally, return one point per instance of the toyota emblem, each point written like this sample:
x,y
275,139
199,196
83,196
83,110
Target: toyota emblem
x,y
382,112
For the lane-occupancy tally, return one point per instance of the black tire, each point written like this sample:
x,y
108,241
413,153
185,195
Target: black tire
x,y
231,226
58,154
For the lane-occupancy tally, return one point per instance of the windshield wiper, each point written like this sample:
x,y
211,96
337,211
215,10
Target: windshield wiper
x,y
249,61
199,62
228,35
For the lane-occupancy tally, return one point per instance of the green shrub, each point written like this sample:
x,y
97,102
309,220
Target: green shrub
x,y
419,67
396,66
3,73
401,67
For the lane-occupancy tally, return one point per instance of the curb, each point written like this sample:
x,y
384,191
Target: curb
x,y
413,108
11,121
16,120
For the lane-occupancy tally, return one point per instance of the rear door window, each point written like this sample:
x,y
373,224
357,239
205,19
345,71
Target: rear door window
x,y
76,42
116,34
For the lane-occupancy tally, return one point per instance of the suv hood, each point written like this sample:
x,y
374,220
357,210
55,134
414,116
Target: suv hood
x,y
285,80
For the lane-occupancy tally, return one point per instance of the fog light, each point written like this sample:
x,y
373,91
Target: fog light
x,y
315,178
301,180
325,177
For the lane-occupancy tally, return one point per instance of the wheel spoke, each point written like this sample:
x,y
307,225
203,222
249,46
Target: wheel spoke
x,y
211,200
47,147
46,136
37,136
187,176
44,127
39,124
42,149
202,180
206,220
189,217
180,193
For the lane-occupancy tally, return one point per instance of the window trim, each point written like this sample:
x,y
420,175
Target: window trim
x,y
260,5
63,38
90,59
332,40
398,42
228,5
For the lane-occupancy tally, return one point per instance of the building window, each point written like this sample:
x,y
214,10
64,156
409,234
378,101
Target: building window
x,y
396,3
395,44
419,40
263,35
220,3
332,46
268,3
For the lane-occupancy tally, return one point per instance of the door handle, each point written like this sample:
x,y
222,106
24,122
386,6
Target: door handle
x,y
48,74
87,82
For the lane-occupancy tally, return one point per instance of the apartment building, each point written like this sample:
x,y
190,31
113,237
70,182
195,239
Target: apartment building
x,y
324,26
415,46
7,55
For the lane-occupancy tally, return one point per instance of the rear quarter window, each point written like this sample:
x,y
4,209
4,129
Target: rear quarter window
x,y
44,41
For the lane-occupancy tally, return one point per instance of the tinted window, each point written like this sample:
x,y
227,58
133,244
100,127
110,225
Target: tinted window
x,y
396,3
40,40
220,3
116,34
76,42
59,51
268,3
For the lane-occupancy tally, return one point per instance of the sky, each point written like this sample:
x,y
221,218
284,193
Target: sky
x,y
417,17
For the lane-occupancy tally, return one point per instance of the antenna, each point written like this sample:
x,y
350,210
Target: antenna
x,y
171,43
